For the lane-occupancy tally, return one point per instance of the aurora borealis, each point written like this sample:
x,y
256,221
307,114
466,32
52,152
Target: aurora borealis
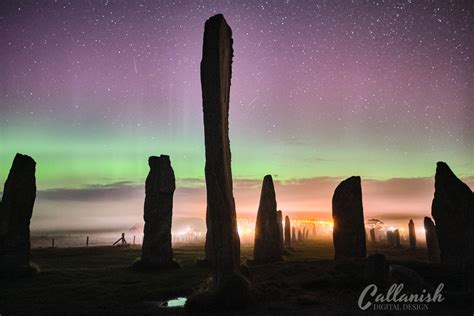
x,y
321,90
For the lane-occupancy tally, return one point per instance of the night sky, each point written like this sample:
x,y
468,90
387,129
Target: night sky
x,y
321,90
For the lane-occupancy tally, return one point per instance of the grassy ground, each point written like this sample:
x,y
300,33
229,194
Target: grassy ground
x,y
98,280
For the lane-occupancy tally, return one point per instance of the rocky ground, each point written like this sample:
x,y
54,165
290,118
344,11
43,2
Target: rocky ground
x,y
98,280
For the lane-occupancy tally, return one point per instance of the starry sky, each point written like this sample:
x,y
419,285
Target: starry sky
x,y
321,90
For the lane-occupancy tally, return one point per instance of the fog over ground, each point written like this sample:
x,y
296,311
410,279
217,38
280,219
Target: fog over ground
x,y
119,206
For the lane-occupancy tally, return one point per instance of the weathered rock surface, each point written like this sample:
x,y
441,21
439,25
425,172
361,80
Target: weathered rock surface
x,y
412,234
216,70
348,218
287,232
16,209
267,236
453,211
431,241
158,212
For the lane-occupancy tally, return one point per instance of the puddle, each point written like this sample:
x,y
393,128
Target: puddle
x,y
174,303
178,302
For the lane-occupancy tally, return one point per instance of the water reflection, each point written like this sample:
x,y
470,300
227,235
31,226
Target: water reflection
x,y
176,302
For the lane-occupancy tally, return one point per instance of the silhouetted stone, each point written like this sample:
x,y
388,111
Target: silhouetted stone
x,y
431,241
216,69
3,229
158,213
267,237
233,294
453,212
16,209
372,235
376,269
287,232
390,238
403,275
300,235
293,234
412,234
348,218
396,238
208,251
280,230
306,234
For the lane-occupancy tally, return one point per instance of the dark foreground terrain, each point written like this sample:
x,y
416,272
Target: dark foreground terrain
x,y
98,280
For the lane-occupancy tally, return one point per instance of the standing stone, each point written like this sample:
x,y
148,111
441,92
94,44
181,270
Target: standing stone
x,y
453,212
376,269
348,218
287,232
208,251
390,238
412,235
396,238
158,213
314,231
300,235
431,241
280,229
3,230
406,276
307,234
16,209
372,235
267,237
303,234
216,69
293,234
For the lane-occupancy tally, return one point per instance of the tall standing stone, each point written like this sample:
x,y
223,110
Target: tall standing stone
x,y
16,209
287,232
280,230
412,234
158,213
453,212
348,218
390,238
300,235
216,70
396,238
293,234
208,251
431,240
267,237
372,235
